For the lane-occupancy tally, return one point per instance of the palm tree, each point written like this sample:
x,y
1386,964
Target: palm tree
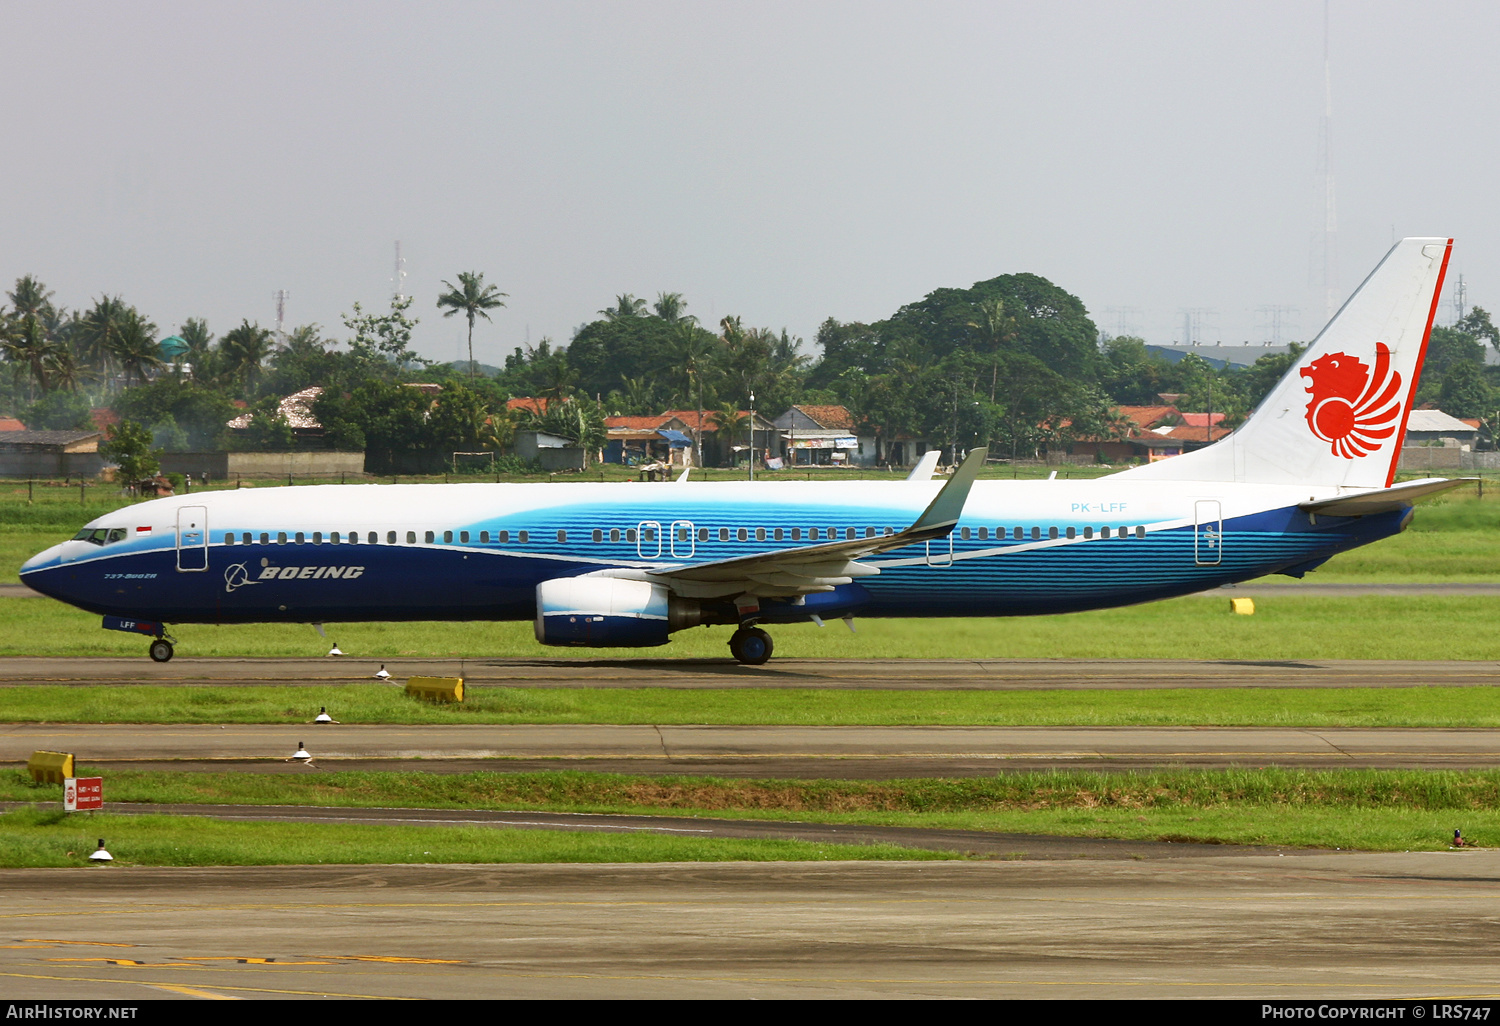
x,y
728,419
473,297
625,306
689,357
99,333
244,349
669,307
134,345
996,328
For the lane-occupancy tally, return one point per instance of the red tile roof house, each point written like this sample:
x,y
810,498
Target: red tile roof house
x,y
824,435
1157,432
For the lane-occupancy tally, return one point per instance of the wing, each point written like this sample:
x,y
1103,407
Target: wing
x,y
811,568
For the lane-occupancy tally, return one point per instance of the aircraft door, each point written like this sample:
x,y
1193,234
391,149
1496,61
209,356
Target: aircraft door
x,y
648,539
683,543
940,551
192,538
1208,533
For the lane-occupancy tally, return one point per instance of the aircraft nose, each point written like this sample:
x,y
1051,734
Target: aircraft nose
x,y
33,571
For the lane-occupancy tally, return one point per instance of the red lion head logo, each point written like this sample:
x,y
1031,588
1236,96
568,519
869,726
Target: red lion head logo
x,y
1351,408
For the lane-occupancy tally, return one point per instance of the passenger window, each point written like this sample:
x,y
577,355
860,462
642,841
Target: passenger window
x,y
1052,532
522,537
265,539
1018,534
390,537
229,538
428,537
463,536
1072,533
742,534
812,533
484,536
598,535
280,537
647,534
760,534
503,536
964,533
869,532
889,531
614,534
1123,532
778,534
630,534
333,538
984,533
411,537
1036,534
447,537
317,538
1104,532
848,532
373,538
1088,532
796,534
703,534
301,538
1140,532
562,536
723,534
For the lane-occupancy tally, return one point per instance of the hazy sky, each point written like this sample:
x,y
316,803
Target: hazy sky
x,y
785,162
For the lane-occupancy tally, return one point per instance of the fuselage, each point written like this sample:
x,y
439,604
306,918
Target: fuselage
x,y
478,551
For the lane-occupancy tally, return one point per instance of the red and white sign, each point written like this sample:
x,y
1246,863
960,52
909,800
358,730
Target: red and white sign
x,y
81,794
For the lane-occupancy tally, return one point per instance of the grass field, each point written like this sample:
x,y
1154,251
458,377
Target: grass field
x,y
34,838
369,703
1196,627
1378,810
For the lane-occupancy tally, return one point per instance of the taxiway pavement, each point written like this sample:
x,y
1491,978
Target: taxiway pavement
x,y
885,674
1343,925
745,751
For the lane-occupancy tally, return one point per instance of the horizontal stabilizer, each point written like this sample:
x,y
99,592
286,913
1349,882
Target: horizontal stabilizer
x,y
925,466
1384,500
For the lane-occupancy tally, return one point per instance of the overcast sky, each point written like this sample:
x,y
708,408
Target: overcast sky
x,y
785,162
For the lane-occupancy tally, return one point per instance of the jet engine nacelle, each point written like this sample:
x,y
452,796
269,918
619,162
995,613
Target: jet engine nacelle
x,y
606,612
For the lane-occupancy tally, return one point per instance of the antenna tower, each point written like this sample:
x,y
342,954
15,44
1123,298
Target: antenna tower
x,y
282,295
1460,299
399,280
1330,271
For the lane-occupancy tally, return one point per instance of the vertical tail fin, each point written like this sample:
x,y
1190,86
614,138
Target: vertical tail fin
x,y
1339,415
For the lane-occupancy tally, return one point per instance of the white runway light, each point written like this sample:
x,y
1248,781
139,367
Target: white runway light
x,y
323,716
302,754
101,856
380,674
334,651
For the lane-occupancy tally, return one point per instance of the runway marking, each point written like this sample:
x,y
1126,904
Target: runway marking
x,y
403,961
95,944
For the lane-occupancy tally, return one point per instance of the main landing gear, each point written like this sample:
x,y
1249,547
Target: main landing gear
x,y
161,650
751,645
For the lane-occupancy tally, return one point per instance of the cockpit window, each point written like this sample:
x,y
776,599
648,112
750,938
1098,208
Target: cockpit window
x,y
116,534
95,535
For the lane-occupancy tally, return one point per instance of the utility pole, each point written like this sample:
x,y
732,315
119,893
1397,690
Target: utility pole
x,y
282,295
752,434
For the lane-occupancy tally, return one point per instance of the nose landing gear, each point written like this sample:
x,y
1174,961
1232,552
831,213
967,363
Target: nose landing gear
x,y
161,650
751,645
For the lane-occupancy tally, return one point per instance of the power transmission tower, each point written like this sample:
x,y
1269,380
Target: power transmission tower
x,y
1460,299
1277,322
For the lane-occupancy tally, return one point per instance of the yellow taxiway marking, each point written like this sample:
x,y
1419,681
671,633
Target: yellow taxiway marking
x,y
190,992
169,986
92,944
403,961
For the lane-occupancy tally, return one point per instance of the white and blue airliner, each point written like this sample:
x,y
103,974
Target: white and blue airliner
x,y
1310,474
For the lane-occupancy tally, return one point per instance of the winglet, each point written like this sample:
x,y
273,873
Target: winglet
x,y
925,466
948,505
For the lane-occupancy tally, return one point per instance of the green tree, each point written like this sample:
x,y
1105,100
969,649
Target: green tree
x,y
134,345
626,305
59,410
130,449
387,335
1465,392
244,351
473,298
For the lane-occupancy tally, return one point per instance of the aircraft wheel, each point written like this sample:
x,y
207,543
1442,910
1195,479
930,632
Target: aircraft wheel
x,y
751,646
161,650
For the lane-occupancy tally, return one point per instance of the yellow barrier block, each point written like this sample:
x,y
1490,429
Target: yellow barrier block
x,y
1242,606
50,767
436,689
